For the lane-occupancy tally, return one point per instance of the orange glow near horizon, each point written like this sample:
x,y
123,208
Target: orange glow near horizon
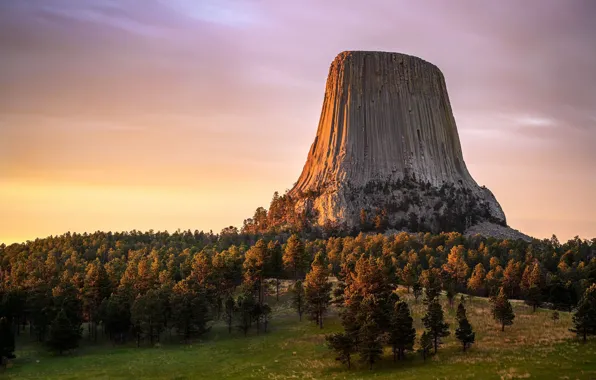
x,y
184,115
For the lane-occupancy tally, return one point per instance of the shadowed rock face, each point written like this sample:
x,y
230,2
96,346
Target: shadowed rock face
x,y
386,117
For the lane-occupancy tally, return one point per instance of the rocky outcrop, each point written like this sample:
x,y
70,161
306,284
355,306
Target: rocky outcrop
x,y
387,144
496,231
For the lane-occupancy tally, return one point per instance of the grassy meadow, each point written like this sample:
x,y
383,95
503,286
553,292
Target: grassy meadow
x,y
535,347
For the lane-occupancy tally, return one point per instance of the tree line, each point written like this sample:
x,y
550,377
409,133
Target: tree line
x,y
139,286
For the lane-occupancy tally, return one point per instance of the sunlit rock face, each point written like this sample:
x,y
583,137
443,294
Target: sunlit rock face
x,y
387,143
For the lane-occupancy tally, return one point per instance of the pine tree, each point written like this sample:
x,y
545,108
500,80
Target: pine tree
x,y
343,345
97,287
370,345
190,311
294,257
63,334
584,318
534,298
502,310
317,290
116,317
298,298
434,322
230,305
402,333
476,282
148,313
254,269
432,284
461,311
464,332
245,307
276,264
426,344
7,345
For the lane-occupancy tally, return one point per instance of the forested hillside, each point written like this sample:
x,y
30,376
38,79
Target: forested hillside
x,y
134,286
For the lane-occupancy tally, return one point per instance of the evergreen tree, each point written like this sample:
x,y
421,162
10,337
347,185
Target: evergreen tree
x,y
254,269
298,298
432,284
476,283
276,264
502,310
97,287
317,290
534,297
426,344
147,312
434,322
190,311
464,332
39,310
116,317
370,344
229,312
66,297
461,311
584,318
343,345
294,258
245,308
63,334
7,345
402,333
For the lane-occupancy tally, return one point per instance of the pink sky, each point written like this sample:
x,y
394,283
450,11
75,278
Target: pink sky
x,y
120,115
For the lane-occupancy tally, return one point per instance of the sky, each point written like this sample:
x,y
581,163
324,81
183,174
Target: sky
x,y
165,114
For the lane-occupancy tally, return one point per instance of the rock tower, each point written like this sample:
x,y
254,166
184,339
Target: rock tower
x,y
387,150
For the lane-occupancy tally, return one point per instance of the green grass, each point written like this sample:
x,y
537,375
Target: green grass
x,y
534,347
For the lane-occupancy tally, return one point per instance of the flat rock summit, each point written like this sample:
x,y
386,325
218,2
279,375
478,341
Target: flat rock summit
x,y
387,150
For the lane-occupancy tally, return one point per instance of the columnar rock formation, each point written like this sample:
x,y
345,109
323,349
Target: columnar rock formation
x,y
387,144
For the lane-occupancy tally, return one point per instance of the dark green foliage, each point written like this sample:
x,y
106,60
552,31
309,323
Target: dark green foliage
x,y
461,311
295,257
116,317
370,343
40,311
6,340
298,298
190,312
275,267
434,322
426,344
343,345
534,298
245,305
230,305
317,290
147,314
63,334
402,333
464,332
432,284
584,318
502,310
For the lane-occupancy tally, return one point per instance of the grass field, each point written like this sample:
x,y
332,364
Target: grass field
x,y
534,347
